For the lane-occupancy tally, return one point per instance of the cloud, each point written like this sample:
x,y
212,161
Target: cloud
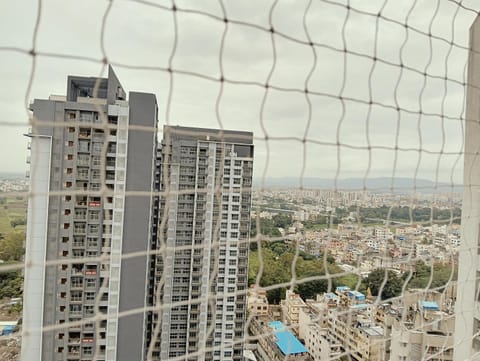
x,y
143,35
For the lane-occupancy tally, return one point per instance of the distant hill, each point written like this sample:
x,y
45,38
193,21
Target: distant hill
x,y
13,175
380,184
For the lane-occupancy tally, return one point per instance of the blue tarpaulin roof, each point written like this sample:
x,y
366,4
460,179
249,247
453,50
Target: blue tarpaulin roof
x,y
289,344
286,341
277,326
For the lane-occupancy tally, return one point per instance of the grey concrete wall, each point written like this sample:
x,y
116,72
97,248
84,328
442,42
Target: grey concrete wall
x,y
137,227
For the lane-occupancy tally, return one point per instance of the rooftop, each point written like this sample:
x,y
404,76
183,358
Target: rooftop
x,y
373,331
357,295
286,341
277,326
429,305
289,344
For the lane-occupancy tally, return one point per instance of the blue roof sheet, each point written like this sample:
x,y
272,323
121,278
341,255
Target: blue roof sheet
x,y
331,295
277,326
357,295
361,306
429,305
343,288
289,344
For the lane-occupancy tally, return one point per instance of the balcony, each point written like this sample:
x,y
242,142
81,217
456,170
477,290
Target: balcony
x,y
79,230
80,216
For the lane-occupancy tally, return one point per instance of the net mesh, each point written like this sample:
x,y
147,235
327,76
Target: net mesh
x,y
332,90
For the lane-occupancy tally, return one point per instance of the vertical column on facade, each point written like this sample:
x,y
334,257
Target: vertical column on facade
x,y
207,249
169,258
120,110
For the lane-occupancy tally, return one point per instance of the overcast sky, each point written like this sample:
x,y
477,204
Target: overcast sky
x,y
141,35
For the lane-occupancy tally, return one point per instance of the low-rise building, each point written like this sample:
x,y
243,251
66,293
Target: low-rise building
x,y
257,302
291,309
277,342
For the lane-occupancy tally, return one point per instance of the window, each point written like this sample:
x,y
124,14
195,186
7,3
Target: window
x,y
97,147
75,308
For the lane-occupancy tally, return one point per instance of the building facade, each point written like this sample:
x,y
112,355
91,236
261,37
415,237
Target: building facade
x,y
201,271
85,159
467,328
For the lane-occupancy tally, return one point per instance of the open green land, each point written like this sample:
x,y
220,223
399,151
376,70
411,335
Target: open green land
x,y
12,214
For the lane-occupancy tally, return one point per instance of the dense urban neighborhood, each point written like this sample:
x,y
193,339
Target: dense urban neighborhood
x,y
370,275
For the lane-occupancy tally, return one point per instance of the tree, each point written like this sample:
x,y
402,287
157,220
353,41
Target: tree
x,y
422,274
17,222
11,247
11,284
391,288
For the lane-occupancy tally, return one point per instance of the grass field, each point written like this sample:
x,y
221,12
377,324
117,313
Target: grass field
x,y
12,208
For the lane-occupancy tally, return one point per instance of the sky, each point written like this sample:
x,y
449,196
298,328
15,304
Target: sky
x,y
361,104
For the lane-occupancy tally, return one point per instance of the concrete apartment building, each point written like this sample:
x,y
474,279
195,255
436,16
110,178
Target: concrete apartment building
x,y
313,329
96,168
467,328
291,307
421,325
84,160
202,272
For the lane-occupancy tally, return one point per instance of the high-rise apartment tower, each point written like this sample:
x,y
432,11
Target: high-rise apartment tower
x,y
201,271
467,308
92,174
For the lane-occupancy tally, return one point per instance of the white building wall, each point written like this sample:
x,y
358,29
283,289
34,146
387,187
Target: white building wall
x,y
37,216
466,309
